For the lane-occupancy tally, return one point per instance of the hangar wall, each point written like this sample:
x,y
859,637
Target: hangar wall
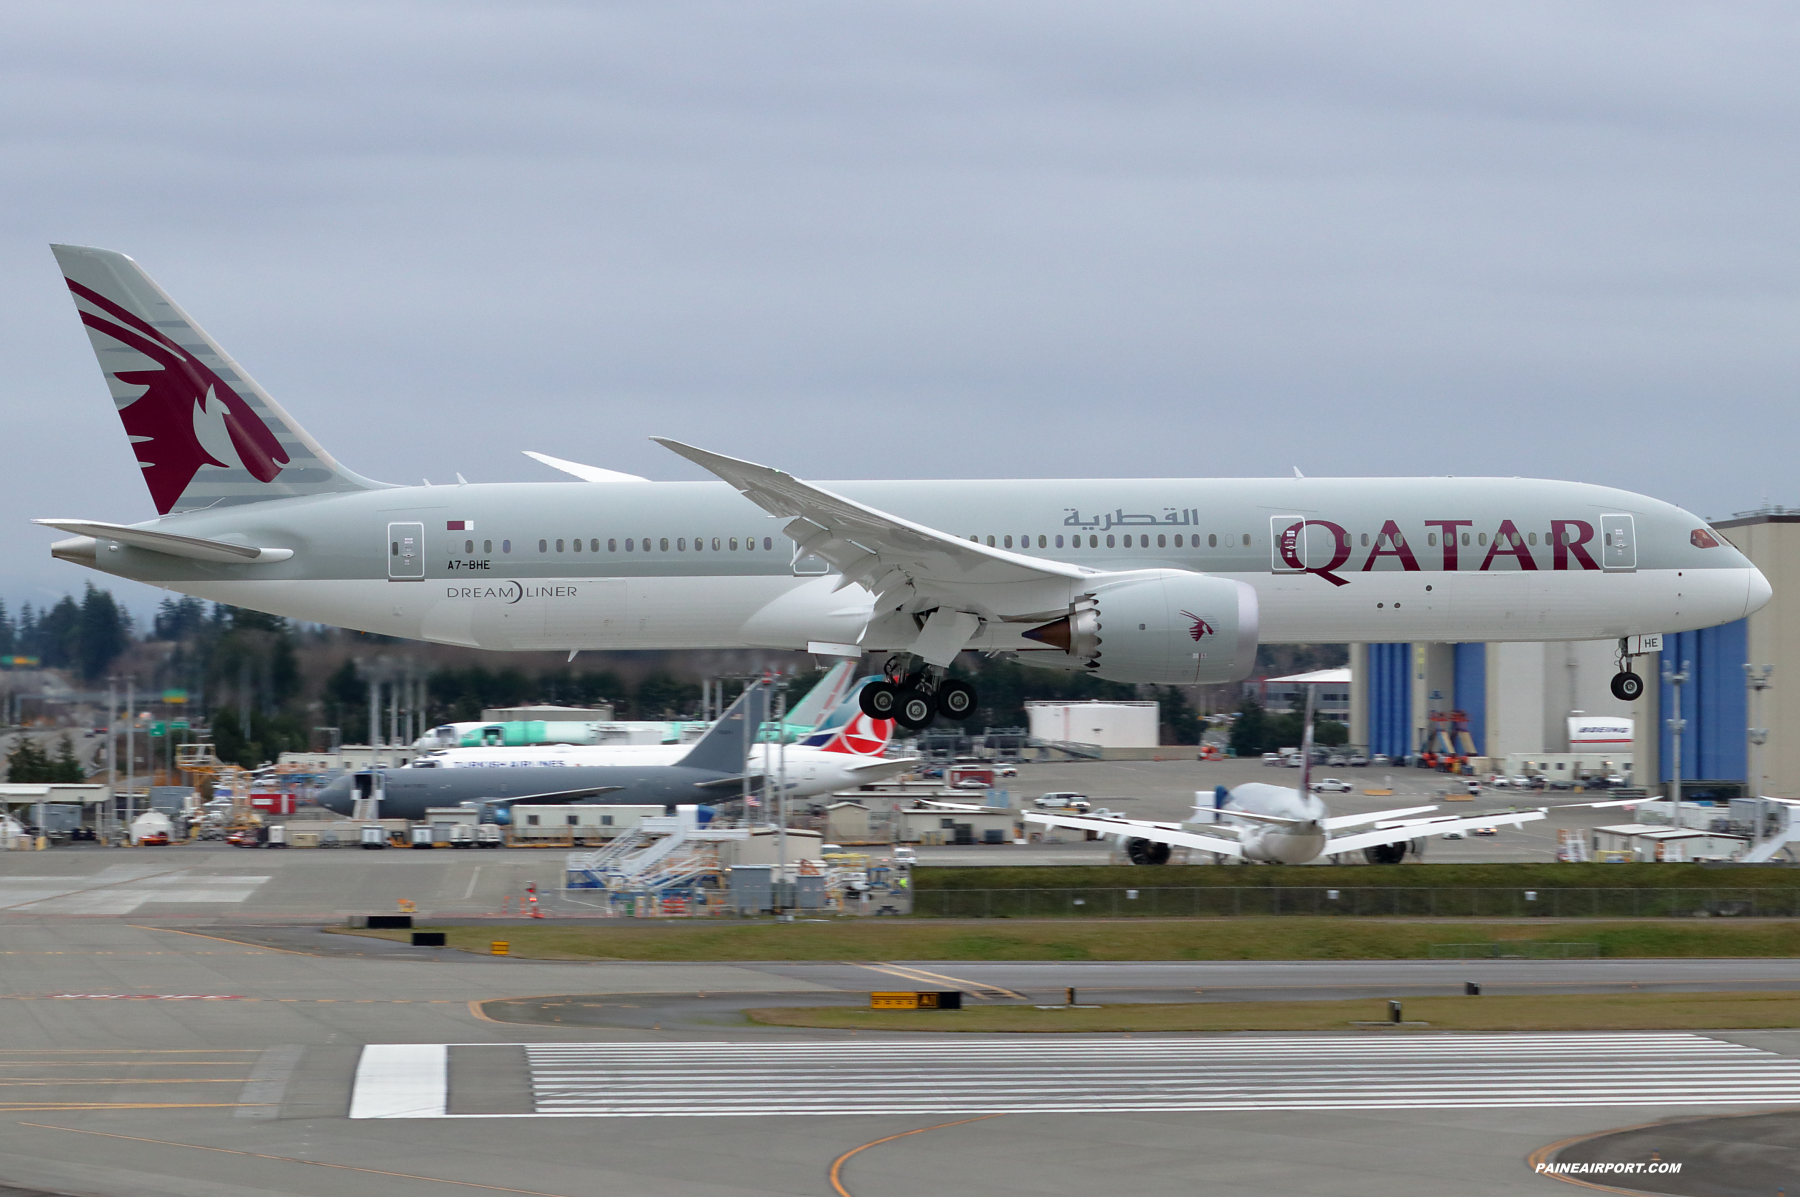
x,y
1517,695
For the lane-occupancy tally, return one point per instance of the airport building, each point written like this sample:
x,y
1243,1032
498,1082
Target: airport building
x,y
1534,703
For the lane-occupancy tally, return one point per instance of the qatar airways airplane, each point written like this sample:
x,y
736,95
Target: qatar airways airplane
x,y
1165,580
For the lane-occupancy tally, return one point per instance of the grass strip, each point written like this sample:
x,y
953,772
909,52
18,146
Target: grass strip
x,y
1521,875
1525,1012
1276,938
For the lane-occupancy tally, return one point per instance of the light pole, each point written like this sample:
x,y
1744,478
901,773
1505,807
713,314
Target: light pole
x,y
1757,678
1677,725
112,743
130,747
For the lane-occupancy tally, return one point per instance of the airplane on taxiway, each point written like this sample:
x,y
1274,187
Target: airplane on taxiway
x,y
844,754
1258,823
802,719
1132,580
714,769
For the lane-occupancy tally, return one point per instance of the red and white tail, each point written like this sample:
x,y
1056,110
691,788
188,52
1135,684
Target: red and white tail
x,y
204,433
862,736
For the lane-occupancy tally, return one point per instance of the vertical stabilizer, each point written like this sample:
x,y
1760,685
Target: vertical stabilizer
x,y
725,748
205,434
823,698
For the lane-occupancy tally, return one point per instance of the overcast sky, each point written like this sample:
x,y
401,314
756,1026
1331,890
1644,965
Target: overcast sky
x,y
923,239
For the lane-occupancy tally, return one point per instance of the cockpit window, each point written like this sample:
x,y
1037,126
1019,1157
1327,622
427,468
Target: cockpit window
x,y
1703,538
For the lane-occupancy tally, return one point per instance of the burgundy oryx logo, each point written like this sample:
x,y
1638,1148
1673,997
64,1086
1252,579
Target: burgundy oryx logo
x,y
1200,628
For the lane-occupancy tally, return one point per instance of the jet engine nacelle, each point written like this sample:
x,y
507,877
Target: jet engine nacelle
x,y
1157,625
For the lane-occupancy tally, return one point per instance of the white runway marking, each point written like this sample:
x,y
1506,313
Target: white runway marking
x,y
121,890
401,1080
977,1076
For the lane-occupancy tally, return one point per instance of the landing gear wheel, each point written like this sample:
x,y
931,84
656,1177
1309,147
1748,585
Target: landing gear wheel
x,y
913,708
879,700
1627,687
955,700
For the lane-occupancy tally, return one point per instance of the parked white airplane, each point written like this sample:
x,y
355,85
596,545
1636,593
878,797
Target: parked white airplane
x,y
843,759
1135,580
1269,824
804,717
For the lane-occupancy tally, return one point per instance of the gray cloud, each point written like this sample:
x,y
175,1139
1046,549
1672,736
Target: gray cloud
x,y
924,239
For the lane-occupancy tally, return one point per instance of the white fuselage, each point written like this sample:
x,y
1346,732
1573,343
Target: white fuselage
x,y
807,771
1292,843
695,565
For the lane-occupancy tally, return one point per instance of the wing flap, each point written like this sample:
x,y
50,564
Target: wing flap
x,y
1332,824
1136,829
1409,831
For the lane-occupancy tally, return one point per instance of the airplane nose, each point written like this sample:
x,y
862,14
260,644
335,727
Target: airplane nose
x,y
1760,592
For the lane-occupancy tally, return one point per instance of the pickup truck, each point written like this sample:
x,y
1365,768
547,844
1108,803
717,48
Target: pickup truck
x,y
1063,801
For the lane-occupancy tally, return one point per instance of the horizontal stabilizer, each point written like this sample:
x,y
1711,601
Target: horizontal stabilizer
x,y
586,473
194,548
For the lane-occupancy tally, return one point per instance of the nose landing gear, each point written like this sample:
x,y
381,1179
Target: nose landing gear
x,y
1627,686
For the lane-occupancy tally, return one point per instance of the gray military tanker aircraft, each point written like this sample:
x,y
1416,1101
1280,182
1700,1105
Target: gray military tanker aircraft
x,y
1136,580
712,771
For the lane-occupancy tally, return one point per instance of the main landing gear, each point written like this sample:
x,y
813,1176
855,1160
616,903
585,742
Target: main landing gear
x,y
913,698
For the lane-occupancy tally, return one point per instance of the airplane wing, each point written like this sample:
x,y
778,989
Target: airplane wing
x,y
1332,824
1161,833
555,795
884,766
193,547
1412,829
907,566
586,473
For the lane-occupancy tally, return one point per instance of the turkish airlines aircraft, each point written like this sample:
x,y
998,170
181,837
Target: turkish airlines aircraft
x,y
841,760
1134,580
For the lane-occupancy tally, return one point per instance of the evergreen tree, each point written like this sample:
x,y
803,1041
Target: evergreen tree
x,y
102,633
65,768
27,763
58,630
8,635
347,699
1180,723
1250,731
25,631
179,619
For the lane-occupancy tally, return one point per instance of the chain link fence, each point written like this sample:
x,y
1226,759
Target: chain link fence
x,y
1422,902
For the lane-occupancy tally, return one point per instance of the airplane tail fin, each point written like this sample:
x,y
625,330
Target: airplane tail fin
x,y
846,729
823,698
725,748
206,435
845,725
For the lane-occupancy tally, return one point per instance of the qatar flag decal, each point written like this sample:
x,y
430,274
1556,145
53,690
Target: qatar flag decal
x,y
459,525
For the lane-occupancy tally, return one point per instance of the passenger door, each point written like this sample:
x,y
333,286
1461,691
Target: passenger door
x,y
406,552
1618,543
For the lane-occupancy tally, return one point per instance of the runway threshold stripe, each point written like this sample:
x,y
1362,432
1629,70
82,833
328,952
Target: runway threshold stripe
x,y
401,1080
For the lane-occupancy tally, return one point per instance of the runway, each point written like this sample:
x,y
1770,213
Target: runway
x,y
1095,1075
142,1062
